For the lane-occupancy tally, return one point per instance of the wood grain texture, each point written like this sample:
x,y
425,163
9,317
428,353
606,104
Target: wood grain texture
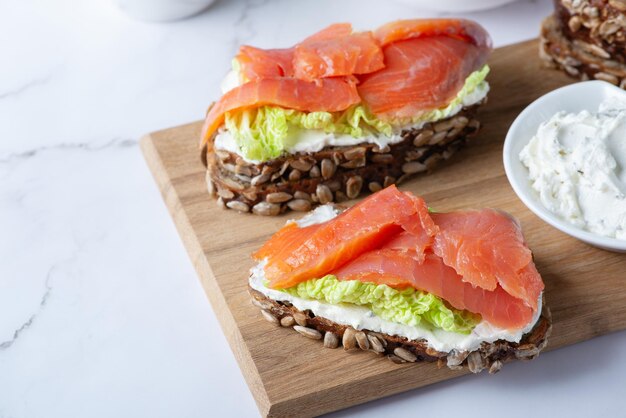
x,y
293,376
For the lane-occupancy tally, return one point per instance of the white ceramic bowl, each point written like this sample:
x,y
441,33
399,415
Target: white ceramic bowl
x,y
455,6
574,98
162,10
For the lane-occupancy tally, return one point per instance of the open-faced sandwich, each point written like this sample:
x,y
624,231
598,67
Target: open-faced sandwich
x,y
343,113
587,39
389,276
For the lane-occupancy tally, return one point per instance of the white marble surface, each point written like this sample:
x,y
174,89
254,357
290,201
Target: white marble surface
x,y
101,313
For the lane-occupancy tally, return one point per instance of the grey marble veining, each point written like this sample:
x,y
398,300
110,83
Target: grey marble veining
x,y
84,146
23,327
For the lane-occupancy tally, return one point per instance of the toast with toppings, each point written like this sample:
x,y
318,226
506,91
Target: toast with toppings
x,y
390,276
343,113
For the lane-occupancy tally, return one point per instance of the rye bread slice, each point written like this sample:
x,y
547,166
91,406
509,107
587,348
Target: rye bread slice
x,y
597,22
578,59
334,174
490,356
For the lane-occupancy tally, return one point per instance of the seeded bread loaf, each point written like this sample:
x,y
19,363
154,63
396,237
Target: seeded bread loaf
x,y
490,356
334,174
587,39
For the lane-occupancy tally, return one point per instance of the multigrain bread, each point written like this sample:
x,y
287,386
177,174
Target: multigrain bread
x,y
490,356
597,22
587,40
335,174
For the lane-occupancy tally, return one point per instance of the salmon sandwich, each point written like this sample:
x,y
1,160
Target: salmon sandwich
x,y
343,113
392,277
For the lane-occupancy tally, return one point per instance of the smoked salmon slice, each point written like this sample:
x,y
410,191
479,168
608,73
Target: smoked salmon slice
x,y
257,63
329,94
487,248
288,237
402,269
354,53
364,227
465,30
420,74
336,30
333,51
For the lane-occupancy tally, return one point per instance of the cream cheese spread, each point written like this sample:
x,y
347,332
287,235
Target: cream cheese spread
x,y
230,81
360,317
314,140
577,165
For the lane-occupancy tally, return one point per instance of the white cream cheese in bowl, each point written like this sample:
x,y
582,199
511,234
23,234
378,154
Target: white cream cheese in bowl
x,y
577,165
565,157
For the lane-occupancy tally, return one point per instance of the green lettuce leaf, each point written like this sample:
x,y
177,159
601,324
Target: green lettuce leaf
x,y
409,306
260,133
263,133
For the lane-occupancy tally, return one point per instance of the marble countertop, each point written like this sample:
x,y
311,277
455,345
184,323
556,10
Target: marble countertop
x,y
101,312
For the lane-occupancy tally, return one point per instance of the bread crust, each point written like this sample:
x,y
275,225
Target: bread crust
x,y
334,174
577,58
598,22
490,356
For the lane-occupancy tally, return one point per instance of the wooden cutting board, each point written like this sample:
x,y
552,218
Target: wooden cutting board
x,y
290,375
